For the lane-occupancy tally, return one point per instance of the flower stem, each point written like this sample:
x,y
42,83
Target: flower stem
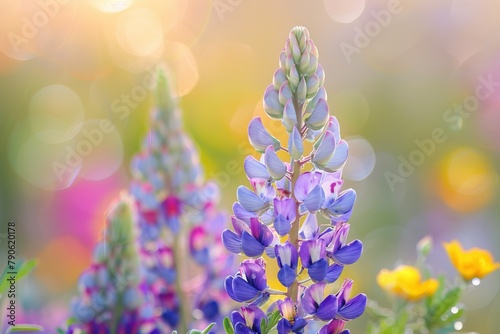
x,y
293,290
181,295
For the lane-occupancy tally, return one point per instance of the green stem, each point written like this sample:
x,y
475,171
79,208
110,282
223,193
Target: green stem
x,y
293,290
183,303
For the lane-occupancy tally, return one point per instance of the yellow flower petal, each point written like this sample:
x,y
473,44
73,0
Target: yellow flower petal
x,y
472,263
405,281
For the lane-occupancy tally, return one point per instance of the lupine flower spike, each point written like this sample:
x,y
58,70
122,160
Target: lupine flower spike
x,y
278,214
175,255
110,296
179,224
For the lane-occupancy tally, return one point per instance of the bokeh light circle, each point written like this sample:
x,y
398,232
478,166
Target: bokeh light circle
x,y
54,112
40,163
467,180
98,145
139,32
344,11
111,6
361,161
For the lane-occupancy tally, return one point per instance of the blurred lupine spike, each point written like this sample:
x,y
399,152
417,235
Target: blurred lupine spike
x,y
278,214
166,241
112,280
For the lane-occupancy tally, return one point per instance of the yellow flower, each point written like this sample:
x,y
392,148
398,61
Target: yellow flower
x,y
472,263
406,282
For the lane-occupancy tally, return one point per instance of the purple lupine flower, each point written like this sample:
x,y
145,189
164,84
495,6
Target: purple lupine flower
x,y
336,326
285,212
349,309
287,257
339,250
251,240
290,322
315,304
312,254
285,198
250,283
248,321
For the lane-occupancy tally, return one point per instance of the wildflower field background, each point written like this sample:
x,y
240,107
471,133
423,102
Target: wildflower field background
x,y
415,86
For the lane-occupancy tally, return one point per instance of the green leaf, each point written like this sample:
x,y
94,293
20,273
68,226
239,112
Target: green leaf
x,y
209,327
273,319
22,268
26,267
441,305
228,326
194,331
24,328
263,326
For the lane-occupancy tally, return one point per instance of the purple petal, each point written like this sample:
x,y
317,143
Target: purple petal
x,y
264,189
327,310
353,308
334,127
275,167
312,251
231,241
278,78
286,207
321,94
261,232
243,290
254,273
284,93
334,272
281,225
319,116
344,203
241,213
260,139
253,313
315,199
289,116
318,270
299,324
228,285
284,326
333,327
305,184
287,254
272,105
239,226
339,157
295,145
249,200
255,169
332,183
236,317
344,292
286,275
241,328
309,229
350,253
251,246
312,297
325,150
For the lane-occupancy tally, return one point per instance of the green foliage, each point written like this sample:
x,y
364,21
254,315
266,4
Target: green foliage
x,y
22,268
228,326
205,331
439,311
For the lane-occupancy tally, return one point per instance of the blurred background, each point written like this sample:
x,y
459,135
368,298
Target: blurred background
x,y
413,84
